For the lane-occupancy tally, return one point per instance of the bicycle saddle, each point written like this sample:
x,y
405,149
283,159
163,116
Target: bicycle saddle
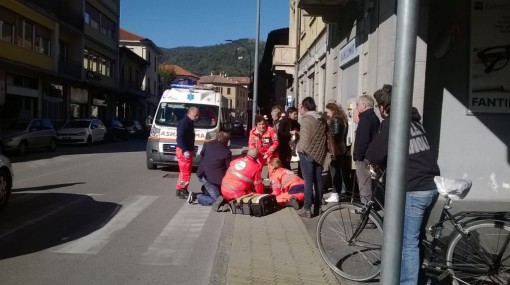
x,y
453,188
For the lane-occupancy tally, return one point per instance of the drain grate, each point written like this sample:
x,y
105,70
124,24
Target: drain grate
x,y
171,175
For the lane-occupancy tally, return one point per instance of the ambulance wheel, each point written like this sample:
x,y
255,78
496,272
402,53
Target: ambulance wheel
x,y
151,165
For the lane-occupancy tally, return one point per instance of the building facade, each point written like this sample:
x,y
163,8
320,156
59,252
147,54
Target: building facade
x,y
342,49
58,59
234,90
149,75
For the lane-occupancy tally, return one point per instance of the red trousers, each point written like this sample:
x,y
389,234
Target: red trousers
x,y
185,165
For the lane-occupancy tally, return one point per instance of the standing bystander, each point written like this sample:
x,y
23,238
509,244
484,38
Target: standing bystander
x,y
338,128
367,129
421,191
312,149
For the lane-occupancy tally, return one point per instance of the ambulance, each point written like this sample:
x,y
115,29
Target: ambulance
x,y
172,107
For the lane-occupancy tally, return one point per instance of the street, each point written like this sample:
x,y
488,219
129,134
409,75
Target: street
x,y
97,215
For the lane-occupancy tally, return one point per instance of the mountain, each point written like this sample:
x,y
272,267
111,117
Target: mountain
x,y
230,58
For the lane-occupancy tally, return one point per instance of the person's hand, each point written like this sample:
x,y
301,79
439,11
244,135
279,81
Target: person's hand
x,y
265,156
186,154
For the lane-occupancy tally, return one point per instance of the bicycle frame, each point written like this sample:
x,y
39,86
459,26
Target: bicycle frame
x,y
457,220
367,208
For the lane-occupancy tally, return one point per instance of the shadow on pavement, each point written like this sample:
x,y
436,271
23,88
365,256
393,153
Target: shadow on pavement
x,y
46,187
35,222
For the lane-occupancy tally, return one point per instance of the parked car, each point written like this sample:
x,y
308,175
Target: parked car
x,y
22,135
134,127
115,130
78,131
237,130
6,178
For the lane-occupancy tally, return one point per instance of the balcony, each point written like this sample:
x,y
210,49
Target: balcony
x,y
327,9
284,58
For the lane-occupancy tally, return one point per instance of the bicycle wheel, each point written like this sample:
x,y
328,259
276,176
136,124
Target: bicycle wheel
x,y
359,259
483,257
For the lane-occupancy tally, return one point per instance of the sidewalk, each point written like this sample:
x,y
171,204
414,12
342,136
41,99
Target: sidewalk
x,y
275,249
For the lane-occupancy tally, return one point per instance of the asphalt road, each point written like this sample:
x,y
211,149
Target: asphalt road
x,y
97,215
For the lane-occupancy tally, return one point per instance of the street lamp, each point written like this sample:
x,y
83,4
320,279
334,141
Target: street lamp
x,y
249,61
249,54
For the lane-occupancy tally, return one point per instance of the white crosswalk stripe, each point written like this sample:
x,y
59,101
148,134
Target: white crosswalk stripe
x,y
174,245
132,206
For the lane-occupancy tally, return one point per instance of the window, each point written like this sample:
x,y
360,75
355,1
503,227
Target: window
x,y
24,33
86,16
6,31
228,91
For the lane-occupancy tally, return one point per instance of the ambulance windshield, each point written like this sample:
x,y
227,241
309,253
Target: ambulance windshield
x,y
169,114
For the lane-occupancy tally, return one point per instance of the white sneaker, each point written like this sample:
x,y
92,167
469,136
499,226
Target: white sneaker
x,y
333,198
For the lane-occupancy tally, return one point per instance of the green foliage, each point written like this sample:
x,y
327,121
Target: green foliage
x,y
167,75
230,58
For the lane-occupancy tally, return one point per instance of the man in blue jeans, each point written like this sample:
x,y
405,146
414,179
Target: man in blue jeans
x,y
216,158
421,191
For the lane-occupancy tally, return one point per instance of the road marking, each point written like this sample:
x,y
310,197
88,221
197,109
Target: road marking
x,y
174,245
132,206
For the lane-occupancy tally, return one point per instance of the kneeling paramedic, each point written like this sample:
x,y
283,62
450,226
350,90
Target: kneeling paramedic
x,y
288,188
242,177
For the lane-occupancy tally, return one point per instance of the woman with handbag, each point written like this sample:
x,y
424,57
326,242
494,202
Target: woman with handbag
x,y
338,125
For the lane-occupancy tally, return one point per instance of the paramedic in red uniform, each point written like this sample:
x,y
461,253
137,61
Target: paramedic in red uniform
x,y
184,150
288,188
242,174
265,139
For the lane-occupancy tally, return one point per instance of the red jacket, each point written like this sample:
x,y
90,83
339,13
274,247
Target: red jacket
x,y
241,175
282,179
266,143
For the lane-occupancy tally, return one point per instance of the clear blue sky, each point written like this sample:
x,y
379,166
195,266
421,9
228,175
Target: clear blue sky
x,y
172,23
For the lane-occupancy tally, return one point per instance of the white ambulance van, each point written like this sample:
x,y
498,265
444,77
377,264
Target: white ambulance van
x,y
172,107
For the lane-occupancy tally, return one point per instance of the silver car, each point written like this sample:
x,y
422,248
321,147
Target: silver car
x,y
6,178
22,135
85,131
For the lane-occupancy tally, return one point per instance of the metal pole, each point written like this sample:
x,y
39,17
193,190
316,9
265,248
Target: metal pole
x,y
256,67
403,81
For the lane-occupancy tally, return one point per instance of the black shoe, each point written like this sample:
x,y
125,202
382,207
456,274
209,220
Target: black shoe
x,y
192,197
305,212
218,203
317,210
292,202
183,193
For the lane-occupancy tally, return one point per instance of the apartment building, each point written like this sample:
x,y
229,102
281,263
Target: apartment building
x,y
143,101
58,59
342,49
234,90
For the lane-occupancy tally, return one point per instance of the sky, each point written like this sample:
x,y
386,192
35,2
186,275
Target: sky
x,y
197,23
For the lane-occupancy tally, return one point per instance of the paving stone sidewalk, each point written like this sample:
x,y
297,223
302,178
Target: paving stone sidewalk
x,y
275,249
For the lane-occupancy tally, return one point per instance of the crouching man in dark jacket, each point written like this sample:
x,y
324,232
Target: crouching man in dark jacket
x,y
216,158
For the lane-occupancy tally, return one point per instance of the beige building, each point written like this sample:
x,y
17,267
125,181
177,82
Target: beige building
x,y
233,89
148,51
341,49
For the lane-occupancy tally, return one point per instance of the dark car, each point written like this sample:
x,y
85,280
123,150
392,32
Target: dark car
x,y
237,130
115,130
134,127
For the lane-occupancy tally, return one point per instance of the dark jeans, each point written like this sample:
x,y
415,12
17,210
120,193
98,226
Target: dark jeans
x,y
312,174
338,175
212,189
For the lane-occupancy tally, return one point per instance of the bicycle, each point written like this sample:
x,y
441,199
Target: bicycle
x,y
350,237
